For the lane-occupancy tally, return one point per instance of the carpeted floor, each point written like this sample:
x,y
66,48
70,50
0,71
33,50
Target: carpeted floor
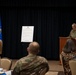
x,y
51,73
55,73
61,73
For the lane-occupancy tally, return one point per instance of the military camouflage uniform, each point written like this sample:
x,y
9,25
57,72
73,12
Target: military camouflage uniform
x,y
73,33
68,53
30,63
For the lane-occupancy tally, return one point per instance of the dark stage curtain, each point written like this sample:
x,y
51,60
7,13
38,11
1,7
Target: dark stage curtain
x,y
49,23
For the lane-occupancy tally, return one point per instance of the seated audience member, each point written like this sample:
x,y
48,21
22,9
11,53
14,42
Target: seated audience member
x,y
69,50
31,62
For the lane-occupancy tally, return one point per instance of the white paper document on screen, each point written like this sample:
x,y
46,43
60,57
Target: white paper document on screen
x,y
27,33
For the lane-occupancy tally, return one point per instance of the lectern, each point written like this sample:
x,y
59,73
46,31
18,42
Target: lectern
x,y
62,42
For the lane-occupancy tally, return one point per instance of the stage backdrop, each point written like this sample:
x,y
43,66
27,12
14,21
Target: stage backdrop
x,y
49,24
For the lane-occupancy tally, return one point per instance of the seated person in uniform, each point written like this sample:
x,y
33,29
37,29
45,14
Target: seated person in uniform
x,y
31,64
69,50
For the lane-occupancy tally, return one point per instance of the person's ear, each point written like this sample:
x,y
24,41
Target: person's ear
x,y
27,48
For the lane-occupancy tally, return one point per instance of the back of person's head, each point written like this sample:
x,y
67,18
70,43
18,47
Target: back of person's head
x,y
74,26
34,48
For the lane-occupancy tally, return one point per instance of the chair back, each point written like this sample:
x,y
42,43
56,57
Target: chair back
x,y
6,63
72,64
1,43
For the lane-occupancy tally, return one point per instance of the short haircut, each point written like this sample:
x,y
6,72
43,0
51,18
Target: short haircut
x,y
34,47
74,25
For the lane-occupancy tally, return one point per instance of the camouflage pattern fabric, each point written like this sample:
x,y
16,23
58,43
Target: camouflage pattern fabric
x,y
68,53
30,65
73,33
65,60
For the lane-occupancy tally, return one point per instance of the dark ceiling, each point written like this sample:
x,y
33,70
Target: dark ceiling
x,y
37,3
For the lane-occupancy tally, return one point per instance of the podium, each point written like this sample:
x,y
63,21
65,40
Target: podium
x,y
62,42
